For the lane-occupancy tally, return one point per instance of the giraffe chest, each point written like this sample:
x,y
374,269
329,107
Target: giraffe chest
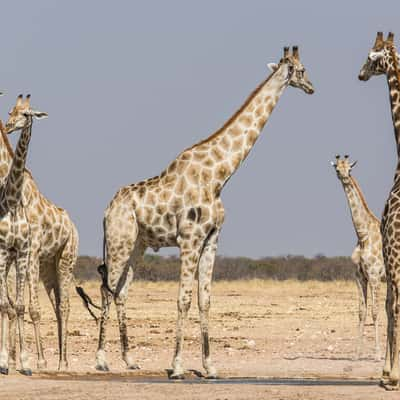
x,y
391,215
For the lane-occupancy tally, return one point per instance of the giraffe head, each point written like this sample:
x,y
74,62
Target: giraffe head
x,y
21,114
381,57
343,168
294,70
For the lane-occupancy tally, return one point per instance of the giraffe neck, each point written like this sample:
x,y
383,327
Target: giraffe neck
x,y
15,179
231,144
360,212
393,79
6,154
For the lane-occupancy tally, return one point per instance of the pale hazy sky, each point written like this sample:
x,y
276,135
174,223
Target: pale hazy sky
x,y
130,84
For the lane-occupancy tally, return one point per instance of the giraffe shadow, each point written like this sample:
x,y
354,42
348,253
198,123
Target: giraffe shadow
x,y
188,373
333,358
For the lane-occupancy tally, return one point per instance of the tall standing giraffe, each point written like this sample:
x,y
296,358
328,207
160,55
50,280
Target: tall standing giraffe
x,y
383,60
182,207
368,253
15,245
54,243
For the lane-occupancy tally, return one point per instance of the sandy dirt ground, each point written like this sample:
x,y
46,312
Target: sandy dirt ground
x,y
258,329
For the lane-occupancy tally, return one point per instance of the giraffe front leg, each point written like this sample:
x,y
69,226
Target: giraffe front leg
x,y
393,382
12,317
206,265
4,310
22,264
190,256
389,339
375,308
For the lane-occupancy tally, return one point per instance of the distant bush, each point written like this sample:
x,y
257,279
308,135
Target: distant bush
x,y
158,268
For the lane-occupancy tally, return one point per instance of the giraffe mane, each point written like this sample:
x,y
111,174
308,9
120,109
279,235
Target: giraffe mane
x,y
236,114
8,145
393,53
363,201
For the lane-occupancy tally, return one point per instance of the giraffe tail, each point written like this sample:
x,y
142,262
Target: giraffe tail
x,y
102,269
87,302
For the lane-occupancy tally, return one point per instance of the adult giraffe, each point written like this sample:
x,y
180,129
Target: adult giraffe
x,y
15,241
383,60
54,242
182,207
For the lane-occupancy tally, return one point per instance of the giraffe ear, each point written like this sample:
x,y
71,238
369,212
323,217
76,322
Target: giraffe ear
x,y
39,114
333,164
353,164
375,55
273,66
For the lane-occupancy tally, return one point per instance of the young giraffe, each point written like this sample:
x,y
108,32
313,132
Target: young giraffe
x,y
368,253
383,60
14,246
54,244
182,207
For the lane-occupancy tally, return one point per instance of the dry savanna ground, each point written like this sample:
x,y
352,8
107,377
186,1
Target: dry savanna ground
x,y
281,329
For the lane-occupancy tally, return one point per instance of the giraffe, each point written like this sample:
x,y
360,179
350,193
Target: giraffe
x,y
15,245
182,207
368,253
53,247
383,60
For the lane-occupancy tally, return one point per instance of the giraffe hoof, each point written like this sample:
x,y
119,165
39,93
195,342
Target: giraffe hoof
x,y
3,370
26,372
103,368
133,367
212,376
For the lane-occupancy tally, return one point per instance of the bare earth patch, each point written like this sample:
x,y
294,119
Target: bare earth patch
x,y
258,329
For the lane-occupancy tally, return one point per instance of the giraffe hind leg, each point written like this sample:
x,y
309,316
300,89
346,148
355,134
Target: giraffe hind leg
x,y
65,267
121,233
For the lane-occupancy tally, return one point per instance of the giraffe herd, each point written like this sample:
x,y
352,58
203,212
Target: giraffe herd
x,y
182,208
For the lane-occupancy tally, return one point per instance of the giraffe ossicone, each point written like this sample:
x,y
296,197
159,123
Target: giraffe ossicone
x,y
182,207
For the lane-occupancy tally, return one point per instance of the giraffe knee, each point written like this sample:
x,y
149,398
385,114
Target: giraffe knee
x,y
184,303
204,305
35,314
20,309
4,308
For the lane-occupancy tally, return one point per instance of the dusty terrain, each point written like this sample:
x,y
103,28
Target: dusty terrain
x,y
259,329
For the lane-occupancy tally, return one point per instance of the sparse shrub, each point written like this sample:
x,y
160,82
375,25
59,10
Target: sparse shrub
x,y
159,268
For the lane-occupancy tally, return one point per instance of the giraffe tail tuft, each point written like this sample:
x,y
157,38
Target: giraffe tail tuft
x,y
87,302
102,270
